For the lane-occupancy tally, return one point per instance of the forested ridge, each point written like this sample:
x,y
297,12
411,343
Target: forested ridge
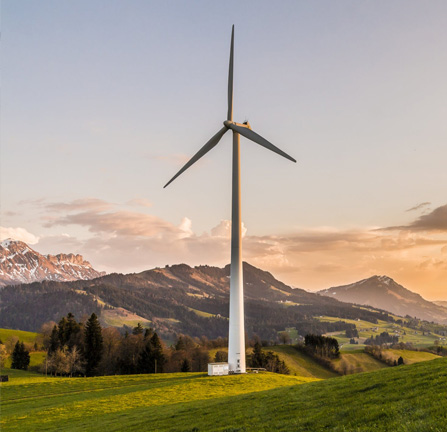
x,y
181,300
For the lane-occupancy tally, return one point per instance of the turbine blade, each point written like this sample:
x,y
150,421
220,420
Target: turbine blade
x,y
258,139
204,150
230,79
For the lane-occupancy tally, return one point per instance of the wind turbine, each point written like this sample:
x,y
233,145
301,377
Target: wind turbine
x,y
236,337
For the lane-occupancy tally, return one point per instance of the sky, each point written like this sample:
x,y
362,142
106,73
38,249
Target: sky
x,y
102,102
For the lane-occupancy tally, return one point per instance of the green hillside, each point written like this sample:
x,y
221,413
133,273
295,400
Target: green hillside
x,y
23,336
357,362
300,364
405,398
417,337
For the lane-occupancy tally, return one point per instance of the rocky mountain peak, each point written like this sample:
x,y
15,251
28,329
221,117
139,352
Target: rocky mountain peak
x,y
19,263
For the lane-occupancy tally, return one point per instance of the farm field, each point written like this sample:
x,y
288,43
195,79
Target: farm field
x,y
366,329
23,336
299,363
405,398
410,357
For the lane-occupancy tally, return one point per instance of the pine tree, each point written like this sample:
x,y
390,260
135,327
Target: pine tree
x,y
138,329
54,340
186,366
158,357
93,344
258,357
20,357
145,360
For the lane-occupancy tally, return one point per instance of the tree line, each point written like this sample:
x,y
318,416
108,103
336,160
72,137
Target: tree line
x,y
86,349
383,338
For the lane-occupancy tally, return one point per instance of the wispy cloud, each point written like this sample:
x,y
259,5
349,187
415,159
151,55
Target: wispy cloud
x,y
139,202
419,206
18,233
127,241
435,221
92,204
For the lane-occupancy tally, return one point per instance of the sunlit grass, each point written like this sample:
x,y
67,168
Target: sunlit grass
x,y
406,398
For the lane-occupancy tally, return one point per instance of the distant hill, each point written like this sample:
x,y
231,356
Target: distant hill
x,y
441,303
19,263
179,299
384,293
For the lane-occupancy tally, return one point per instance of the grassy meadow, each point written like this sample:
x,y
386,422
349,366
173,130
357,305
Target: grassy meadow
x,y
366,329
409,398
22,336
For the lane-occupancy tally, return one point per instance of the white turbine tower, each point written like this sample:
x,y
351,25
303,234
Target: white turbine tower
x,y
236,337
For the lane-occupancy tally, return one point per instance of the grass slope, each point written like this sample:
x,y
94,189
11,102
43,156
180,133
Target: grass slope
x,y
406,398
23,336
367,329
299,363
357,362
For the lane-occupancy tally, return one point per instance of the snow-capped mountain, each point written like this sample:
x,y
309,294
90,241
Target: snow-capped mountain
x,y
384,293
21,264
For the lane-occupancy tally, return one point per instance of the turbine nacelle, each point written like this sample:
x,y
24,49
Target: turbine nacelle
x,y
229,124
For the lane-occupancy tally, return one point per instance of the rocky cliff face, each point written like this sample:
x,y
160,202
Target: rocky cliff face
x,y
21,264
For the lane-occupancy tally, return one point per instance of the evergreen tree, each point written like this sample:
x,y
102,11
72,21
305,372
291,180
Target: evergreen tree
x,y
93,344
186,366
138,329
145,359
54,340
258,357
20,357
158,358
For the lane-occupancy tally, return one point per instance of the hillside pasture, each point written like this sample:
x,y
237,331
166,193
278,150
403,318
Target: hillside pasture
x,y
409,398
22,336
367,329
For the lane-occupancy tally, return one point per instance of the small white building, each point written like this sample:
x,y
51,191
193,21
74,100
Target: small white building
x,y
218,368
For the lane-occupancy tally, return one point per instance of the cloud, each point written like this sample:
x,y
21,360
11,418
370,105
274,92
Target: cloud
x,y
418,206
93,204
113,239
435,221
18,233
124,223
140,202
223,229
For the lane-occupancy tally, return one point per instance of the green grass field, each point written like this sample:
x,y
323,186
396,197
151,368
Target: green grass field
x,y
409,357
23,336
300,364
366,329
406,398
357,362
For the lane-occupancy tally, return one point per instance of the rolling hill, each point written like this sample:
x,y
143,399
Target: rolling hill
x,y
405,398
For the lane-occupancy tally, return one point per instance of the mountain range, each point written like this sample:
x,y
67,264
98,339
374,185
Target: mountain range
x,y
183,299
178,299
384,293
19,263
